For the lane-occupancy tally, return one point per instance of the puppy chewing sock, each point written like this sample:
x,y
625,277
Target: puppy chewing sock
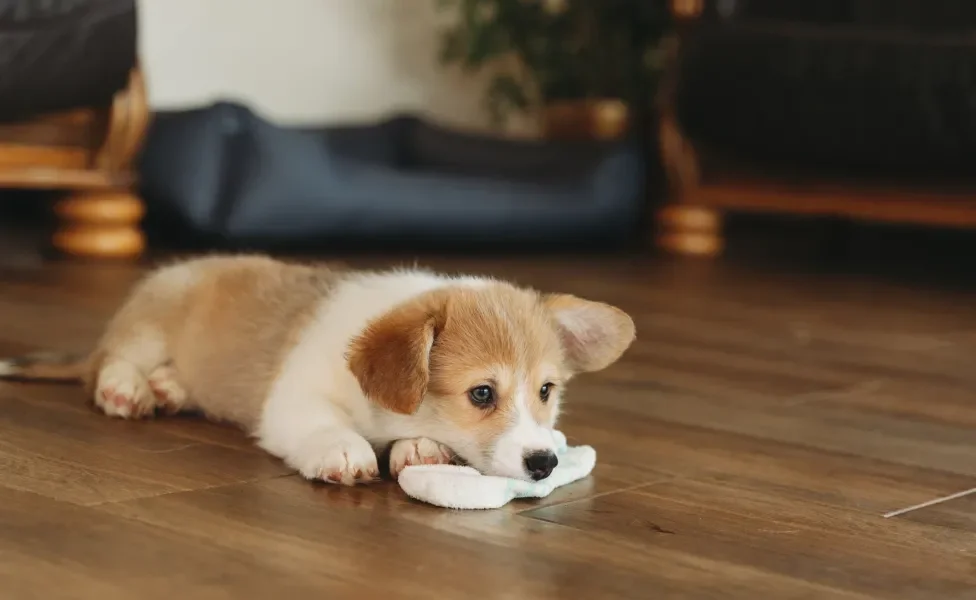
x,y
453,486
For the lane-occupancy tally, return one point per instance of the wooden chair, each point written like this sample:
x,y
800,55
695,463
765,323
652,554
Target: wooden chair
x,y
88,153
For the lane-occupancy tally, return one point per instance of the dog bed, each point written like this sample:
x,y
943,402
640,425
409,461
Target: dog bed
x,y
225,173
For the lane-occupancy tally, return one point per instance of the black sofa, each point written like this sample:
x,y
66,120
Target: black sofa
x,y
224,174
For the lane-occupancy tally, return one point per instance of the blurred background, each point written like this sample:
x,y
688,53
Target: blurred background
x,y
836,131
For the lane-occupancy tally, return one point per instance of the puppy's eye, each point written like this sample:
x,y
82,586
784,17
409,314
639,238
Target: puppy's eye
x,y
544,391
482,395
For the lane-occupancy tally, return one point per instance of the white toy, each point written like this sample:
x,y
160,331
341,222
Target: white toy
x,y
454,486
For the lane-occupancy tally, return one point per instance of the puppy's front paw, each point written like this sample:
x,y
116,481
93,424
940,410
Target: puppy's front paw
x,y
336,456
418,451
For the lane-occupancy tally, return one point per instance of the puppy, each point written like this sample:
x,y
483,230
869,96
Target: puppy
x,y
322,367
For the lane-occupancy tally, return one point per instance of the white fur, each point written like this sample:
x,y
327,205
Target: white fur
x,y
316,397
524,436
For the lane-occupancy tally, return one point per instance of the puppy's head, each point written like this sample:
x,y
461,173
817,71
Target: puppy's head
x,y
481,368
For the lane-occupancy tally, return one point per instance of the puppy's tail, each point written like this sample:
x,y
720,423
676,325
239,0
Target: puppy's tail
x,y
59,367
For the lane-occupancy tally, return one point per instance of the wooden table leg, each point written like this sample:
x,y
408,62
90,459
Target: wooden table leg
x,y
684,226
690,230
102,224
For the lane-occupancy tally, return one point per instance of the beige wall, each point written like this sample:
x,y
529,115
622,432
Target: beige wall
x,y
298,61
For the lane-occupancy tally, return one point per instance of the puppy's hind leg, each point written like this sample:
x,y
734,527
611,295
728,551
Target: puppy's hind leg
x,y
122,391
171,397
122,386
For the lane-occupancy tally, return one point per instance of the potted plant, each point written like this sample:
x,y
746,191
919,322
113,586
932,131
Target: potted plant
x,y
590,65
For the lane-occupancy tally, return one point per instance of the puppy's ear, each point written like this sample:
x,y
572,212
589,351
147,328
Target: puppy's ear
x,y
594,335
391,357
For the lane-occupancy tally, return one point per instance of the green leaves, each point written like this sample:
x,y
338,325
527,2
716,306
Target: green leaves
x,y
570,48
478,37
504,94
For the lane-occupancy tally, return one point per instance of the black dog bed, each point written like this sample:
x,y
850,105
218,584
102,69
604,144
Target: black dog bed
x,y
226,174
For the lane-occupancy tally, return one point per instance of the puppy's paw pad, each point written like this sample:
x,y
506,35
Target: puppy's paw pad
x,y
170,395
117,400
123,393
418,451
344,458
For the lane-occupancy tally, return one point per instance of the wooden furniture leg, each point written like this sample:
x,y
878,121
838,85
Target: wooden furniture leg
x,y
690,230
684,225
100,224
105,223
88,153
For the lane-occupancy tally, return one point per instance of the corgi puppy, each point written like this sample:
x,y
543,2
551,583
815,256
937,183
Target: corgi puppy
x,y
325,367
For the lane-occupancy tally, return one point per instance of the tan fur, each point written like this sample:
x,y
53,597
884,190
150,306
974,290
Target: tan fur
x,y
593,334
500,338
497,336
390,358
225,328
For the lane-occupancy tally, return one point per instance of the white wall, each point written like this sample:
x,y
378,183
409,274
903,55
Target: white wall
x,y
301,61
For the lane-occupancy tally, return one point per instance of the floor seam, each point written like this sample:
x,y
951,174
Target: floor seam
x,y
933,502
833,393
204,488
630,488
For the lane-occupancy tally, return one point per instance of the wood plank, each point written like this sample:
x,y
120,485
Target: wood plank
x,y
828,427
909,401
884,204
631,442
845,550
67,453
958,514
324,532
68,397
51,549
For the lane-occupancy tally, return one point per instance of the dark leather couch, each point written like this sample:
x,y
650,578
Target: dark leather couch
x,y
62,54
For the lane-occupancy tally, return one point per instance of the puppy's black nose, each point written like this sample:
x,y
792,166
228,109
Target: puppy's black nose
x,y
540,464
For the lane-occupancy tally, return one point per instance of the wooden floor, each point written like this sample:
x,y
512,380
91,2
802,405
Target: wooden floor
x,y
759,441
